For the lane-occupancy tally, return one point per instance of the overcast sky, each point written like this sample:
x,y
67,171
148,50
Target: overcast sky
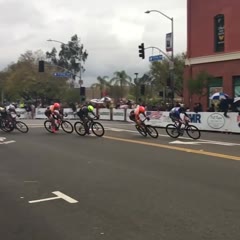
x,y
110,30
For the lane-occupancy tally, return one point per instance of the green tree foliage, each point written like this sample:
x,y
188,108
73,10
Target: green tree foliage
x,y
24,81
72,56
160,72
122,80
198,85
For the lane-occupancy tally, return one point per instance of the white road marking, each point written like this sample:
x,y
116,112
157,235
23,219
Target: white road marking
x,y
59,195
187,143
2,139
205,142
12,141
43,200
65,197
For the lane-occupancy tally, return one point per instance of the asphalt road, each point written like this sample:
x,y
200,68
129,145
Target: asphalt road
x,y
118,187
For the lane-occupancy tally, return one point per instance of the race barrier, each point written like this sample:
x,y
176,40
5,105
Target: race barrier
x,y
208,121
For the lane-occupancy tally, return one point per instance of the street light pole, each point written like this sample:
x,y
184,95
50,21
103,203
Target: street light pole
x,y
136,87
80,64
172,54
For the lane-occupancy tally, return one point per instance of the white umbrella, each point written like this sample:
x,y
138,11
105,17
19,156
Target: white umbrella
x,y
236,99
94,100
219,95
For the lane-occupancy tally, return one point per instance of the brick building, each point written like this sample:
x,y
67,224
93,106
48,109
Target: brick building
x,y
213,46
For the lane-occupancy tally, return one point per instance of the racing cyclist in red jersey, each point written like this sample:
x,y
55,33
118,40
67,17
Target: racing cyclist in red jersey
x,y
52,112
135,115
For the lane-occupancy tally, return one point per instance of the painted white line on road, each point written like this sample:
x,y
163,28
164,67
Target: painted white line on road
x,y
187,143
2,139
59,195
8,142
43,200
65,197
205,142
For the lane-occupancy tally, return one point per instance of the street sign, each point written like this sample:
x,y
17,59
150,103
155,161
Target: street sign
x,y
155,58
62,74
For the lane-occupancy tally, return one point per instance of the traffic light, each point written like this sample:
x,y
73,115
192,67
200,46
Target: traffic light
x,y
142,89
82,91
41,66
141,51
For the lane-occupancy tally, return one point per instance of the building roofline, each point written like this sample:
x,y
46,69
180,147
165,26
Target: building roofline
x,y
213,58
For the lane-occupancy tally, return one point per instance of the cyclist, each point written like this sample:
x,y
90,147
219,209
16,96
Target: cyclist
x,y
175,115
83,114
52,112
135,115
11,108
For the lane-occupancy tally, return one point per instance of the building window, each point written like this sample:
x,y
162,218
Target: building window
x,y
236,86
219,33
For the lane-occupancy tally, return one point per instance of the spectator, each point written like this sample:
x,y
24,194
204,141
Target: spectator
x,y
33,110
223,107
212,108
197,107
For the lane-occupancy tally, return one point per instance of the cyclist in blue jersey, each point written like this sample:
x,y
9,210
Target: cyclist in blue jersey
x,y
175,115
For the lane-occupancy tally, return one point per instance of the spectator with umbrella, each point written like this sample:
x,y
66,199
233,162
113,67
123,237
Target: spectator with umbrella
x,y
224,102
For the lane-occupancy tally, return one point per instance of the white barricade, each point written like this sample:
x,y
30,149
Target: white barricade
x,y
104,114
22,111
118,115
40,113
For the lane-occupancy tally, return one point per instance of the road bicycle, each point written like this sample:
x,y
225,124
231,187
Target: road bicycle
x,y
191,130
96,127
9,123
59,122
145,130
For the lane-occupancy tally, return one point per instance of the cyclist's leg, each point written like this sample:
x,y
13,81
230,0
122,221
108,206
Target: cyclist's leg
x,y
85,123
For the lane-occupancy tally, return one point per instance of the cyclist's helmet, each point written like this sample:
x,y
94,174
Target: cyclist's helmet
x,y
11,107
141,109
90,108
56,105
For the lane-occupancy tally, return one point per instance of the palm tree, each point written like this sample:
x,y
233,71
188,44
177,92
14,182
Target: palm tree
x,y
137,82
102,84
122,79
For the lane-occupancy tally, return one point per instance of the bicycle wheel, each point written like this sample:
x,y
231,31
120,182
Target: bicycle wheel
x,y
21,127
79,128
97,129
48,126
152,131
7,126
141,130
193,132
172,131
67,127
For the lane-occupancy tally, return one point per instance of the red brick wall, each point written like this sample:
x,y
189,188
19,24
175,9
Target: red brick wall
x,y
200,42
201,15
226,70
